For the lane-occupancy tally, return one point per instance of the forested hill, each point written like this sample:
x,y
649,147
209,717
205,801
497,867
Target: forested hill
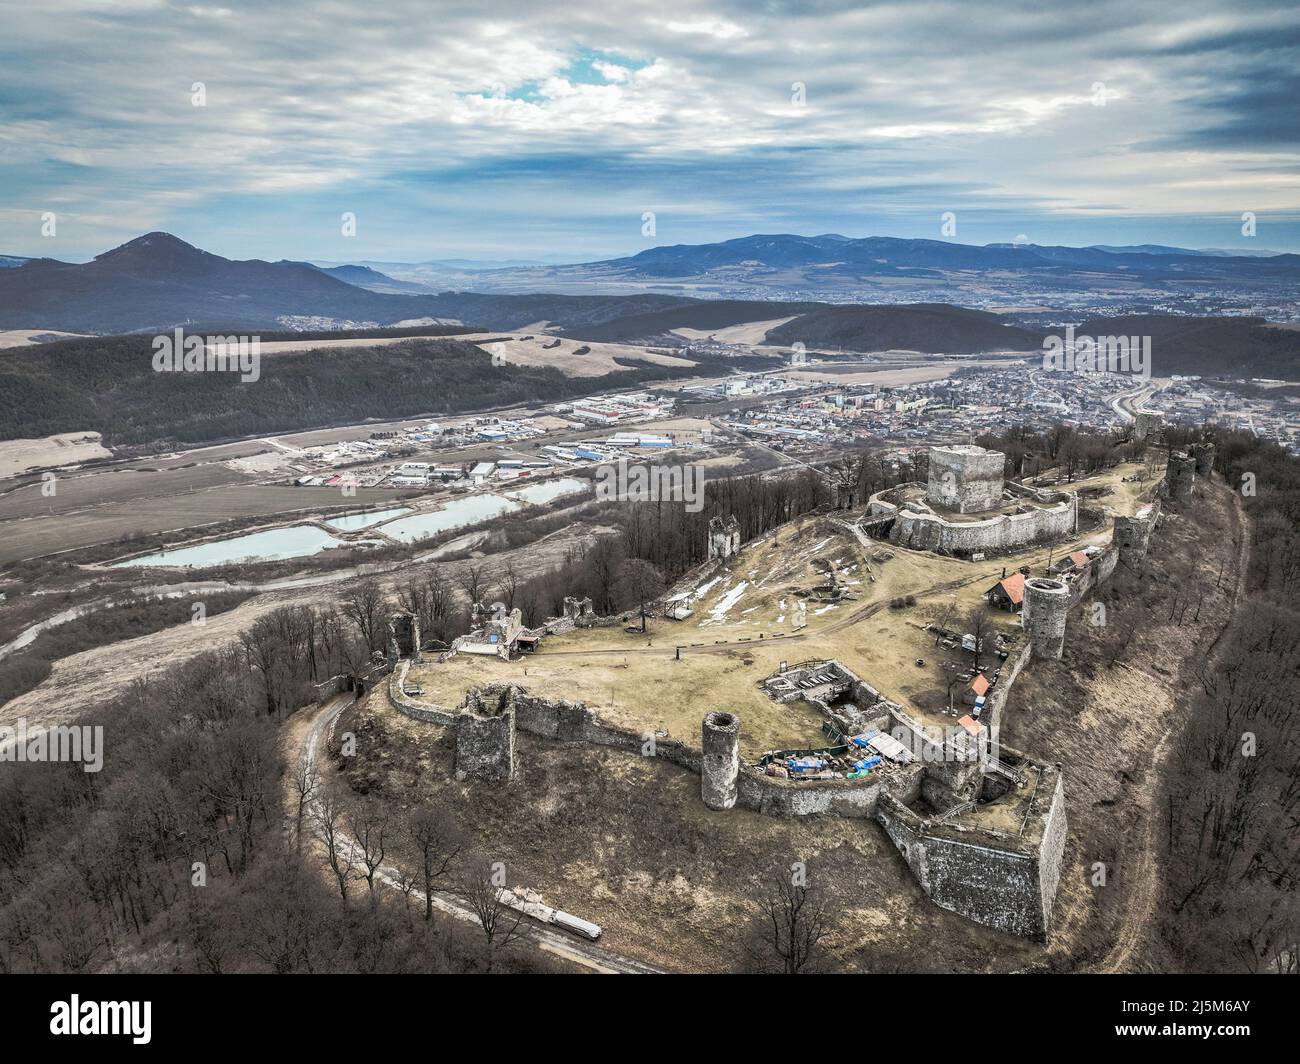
x,y
933,327
108,384
1245,347
157,281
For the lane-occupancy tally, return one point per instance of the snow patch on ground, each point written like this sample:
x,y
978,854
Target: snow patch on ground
x,y
718,613
703,589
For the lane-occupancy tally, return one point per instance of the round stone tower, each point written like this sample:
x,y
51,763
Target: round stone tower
x,y
1046,604
1132,536
721,760
1180,475
1204,455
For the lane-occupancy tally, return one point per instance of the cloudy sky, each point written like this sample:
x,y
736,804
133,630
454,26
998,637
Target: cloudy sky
x,y
495,129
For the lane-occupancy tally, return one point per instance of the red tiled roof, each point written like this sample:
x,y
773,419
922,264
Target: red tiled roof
x,y
1014,586
1080,558
979,685
971,725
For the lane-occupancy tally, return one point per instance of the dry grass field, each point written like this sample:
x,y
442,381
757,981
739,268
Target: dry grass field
x,y
34,537
596,361
743,627
27,337
753,332
119,484
931,369
65,448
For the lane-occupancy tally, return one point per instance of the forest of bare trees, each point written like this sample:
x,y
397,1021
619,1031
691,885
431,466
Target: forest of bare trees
x,y
183,855
1232,896
178,855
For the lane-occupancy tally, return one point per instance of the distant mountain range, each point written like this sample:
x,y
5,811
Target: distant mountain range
x,y
841,269
157,282
834,255
373,280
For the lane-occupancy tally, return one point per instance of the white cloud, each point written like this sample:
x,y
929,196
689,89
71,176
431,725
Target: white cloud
x,y
991,102
722,29
611,71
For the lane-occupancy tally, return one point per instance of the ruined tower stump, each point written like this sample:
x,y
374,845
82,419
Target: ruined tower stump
x,y
1180,476
1046,604
721,766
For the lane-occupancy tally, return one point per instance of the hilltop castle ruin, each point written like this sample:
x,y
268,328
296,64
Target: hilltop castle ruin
x,y
967,508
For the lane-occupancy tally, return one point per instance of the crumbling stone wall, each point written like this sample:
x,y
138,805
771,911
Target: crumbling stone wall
x,y
1145,425
403,638
1103,565
485,740
1132,536
1180,477
565,722
1051,850
781,798
1099,569
1002,689
967,479
724,537
1203,453
928,531
999,880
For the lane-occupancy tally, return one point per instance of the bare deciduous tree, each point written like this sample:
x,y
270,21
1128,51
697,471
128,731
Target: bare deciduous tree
x,y
438,843
363,605
980,624
481,890
368,823
786,938
306,782
640,582
328,819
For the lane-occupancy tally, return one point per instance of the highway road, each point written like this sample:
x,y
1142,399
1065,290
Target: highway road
x,y
1126,404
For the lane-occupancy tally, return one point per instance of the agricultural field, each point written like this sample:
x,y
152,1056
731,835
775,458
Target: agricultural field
x,y
753,332
65,448
573,358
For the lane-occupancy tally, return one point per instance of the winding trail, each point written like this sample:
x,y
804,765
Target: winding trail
x,y
303,745
1140,906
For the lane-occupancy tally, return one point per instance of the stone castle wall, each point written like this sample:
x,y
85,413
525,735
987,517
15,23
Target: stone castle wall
x,y
1003,880
1180,477
1005,532
573,722
485,745
966,479
999,880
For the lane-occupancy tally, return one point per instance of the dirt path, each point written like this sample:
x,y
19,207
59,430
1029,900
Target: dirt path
x,y
303,745
1140,906
724,646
